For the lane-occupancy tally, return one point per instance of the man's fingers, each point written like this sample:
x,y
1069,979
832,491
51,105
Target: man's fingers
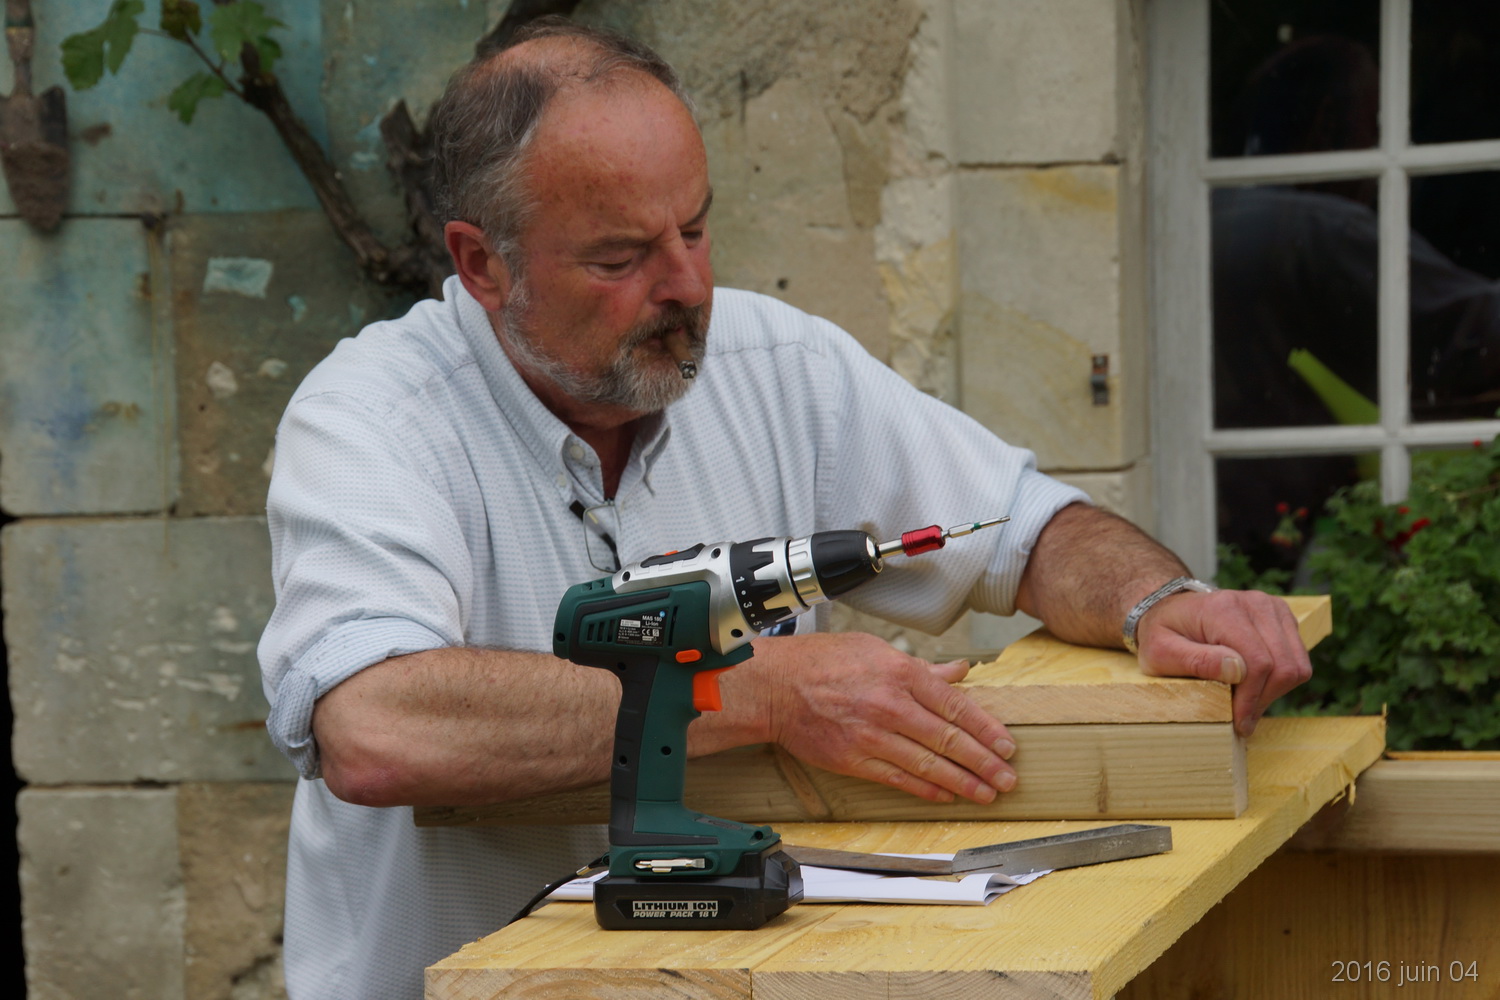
x,y
951,672
951,725
1173,655
1243,638
926,766
887,773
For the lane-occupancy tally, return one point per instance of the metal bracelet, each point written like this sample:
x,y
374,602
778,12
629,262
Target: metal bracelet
x,y
1177,586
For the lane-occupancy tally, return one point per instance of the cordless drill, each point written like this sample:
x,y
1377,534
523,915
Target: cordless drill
x,y
667,626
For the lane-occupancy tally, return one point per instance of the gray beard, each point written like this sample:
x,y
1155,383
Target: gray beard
x,y
634,385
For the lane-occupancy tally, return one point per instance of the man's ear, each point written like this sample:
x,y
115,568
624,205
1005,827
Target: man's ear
x,y
484,275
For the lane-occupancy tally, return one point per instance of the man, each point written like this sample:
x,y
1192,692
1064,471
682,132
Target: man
x,y
436,480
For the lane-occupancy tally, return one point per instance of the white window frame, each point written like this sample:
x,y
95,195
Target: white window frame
x,y
1184,441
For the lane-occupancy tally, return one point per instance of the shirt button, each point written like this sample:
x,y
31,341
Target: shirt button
x,y
562,479
575,451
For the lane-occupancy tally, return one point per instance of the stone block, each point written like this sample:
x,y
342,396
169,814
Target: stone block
x,y
258,300
375,55
232,841
132,154
851,54
1041,294
1127,492
102,894
86,393
1036,81
782,219
132,649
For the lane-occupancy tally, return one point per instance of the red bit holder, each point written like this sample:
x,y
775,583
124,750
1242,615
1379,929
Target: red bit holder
x,y
914,543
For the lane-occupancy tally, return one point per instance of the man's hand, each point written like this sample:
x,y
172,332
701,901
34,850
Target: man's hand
x,y
853,704
1241,637
1089,568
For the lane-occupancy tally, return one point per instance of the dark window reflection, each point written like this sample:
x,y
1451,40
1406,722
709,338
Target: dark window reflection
x,y
1455,70
1293,76
1294,306
1455,298
1267,507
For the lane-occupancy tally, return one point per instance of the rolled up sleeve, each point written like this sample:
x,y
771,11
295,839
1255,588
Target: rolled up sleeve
x,y
368,561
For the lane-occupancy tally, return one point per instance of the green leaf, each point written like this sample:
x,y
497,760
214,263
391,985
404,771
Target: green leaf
x,y
181,18
86,54
198,87
119,31
270,51
83,58
235,25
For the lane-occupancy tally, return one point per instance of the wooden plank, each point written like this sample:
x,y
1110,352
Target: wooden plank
x,y
1160,771
1080,933
1299,919
1041,680
1429,805
1168,752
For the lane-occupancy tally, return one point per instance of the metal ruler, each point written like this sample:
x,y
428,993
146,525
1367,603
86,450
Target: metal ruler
x,y
1019,857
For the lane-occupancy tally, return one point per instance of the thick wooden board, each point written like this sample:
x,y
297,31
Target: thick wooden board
x,y
1040,680
1051,694
1081,933
1165,770
1433,804
1293,928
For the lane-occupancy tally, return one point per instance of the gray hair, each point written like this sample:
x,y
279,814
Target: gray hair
x,y
485,122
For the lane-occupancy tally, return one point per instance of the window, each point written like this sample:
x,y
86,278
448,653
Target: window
x,y
1325,181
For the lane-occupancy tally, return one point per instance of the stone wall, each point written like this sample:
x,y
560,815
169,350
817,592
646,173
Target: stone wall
x,y
957,182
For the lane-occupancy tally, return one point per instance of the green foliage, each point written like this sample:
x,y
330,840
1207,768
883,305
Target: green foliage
x,y
181,18
231,28
1416,604
184,99
87,54
235,25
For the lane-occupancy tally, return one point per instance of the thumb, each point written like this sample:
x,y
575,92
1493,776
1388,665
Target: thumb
x,y
1174,655
952,672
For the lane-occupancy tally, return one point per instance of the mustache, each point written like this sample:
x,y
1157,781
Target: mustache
x,y
693,320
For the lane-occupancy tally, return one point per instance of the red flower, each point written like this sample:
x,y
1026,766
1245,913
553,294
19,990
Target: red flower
x,y
1283,507
1300,513
1399,542
1403,510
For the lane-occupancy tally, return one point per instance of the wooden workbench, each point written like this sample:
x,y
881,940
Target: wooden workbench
x,y
1081,933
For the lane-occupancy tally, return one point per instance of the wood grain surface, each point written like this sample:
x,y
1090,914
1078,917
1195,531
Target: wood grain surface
x,y
1081,933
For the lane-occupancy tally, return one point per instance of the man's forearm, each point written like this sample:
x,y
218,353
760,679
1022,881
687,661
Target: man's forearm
x,y
469,726
1087,570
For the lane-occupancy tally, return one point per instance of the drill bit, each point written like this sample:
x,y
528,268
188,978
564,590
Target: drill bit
x,y
926,539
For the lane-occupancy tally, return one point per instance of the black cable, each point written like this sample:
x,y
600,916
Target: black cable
x,y
598,864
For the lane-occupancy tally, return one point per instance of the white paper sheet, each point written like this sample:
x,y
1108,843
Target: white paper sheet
x,y
834,885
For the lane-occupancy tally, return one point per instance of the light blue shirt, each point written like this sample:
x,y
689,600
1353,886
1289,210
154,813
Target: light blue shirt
x,y
421,499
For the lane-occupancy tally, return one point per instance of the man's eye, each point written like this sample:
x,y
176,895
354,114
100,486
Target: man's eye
x,y
613,266
691,236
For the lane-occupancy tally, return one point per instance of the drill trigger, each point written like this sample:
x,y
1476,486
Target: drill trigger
x,y
706,697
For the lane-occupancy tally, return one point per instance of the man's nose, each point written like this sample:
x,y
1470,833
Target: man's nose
x,y
684,276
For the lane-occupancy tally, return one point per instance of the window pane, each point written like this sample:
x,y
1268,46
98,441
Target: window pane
x,y
1294,305
1455,70
1455,300
1293,76
1268,508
